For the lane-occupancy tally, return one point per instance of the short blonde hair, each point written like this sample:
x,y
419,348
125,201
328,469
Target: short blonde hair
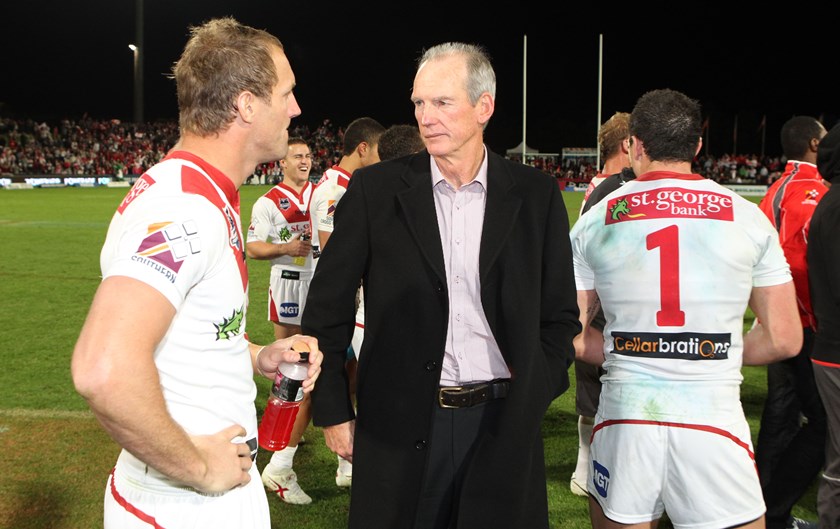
x,y
222,59
614,131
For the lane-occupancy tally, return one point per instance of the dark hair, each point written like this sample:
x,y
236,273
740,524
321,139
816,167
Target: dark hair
x,y
669,125
398,141
297,140
797,133
361,130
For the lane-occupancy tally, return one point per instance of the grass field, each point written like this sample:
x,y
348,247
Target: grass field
x,y
56,457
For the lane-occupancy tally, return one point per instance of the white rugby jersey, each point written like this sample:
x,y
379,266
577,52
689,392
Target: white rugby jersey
x,y
331,187
673,259
281,214
178,230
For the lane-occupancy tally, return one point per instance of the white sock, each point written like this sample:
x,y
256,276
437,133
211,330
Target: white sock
x,y
283,458
345,467
585,425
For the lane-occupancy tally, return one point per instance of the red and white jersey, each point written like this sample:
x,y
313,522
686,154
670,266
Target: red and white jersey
x,y
595,182
789,204
279,215
674,258
331,187
178,230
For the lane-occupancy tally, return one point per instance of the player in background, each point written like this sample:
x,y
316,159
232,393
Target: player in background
x,y
674,259
614,142
281,232
359,149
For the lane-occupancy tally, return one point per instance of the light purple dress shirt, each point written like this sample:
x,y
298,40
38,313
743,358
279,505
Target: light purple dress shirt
x,y
471,354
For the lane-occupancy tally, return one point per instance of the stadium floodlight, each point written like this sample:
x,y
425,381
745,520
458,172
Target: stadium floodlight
x,y
138,86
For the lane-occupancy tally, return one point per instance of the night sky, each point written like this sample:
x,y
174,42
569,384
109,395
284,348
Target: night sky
x,y
65,59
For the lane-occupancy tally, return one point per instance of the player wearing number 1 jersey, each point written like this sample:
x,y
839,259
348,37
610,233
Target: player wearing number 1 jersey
x,y
674,260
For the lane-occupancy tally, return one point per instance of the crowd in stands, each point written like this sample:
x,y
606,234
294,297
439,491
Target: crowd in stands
x,y
95,147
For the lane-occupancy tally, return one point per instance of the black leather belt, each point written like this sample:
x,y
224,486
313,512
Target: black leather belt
x,y
472,394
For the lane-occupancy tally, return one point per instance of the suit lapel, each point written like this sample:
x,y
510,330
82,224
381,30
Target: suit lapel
x,y
418,205
499,214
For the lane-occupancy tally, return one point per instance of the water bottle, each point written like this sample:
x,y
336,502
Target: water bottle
x,y
284,401
305,236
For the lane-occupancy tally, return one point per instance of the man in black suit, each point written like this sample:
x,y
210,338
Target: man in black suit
x,y
470,315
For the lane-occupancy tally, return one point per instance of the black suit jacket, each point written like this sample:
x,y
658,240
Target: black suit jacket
x,y
386,235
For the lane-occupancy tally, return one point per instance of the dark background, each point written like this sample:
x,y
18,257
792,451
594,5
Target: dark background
x,y
63,59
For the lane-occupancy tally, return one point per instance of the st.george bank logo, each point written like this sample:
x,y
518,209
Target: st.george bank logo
x,y
669,202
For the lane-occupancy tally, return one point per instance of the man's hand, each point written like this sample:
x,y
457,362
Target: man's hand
x,y
339,439
270,356
297,247
226,464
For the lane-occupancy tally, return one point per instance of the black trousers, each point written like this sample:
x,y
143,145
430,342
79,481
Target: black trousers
x,y
789,453
828,498
454,437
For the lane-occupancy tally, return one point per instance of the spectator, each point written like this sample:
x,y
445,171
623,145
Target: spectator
x,y
789,451
823,270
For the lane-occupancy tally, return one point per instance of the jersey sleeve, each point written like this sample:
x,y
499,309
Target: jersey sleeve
x,y
771,267
166,243
324,201
584,277
261,221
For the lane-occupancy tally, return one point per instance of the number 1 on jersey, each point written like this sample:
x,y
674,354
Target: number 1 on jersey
x,y
668,241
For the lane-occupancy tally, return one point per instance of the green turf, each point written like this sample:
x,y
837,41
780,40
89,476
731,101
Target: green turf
x,y
55,457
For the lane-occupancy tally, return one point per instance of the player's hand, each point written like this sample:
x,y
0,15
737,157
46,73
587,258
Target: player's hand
x,y
339,439
226,464
288,350
297,247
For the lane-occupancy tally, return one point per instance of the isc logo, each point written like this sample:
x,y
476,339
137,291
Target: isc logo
x,y
600,478
289,309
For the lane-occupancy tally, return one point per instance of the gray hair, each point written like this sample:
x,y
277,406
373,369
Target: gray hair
x,y
480,75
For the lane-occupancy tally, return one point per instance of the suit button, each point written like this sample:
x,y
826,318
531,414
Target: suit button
x,y
440,287
431,365
420,445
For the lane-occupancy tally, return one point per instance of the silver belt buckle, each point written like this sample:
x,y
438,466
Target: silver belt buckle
x,y
447,389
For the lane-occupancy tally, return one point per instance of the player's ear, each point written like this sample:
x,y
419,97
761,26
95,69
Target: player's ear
x,y
244,106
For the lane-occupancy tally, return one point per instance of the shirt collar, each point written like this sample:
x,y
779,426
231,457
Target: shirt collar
x,y
480,177
218,177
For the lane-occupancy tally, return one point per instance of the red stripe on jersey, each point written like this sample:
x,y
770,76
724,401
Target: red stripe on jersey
x,y
698,427
131,508
826,364
193,181
659,175
272,308
292,205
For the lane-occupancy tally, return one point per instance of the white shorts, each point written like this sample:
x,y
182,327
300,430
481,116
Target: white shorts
x,y
132,504
287,290
704,476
